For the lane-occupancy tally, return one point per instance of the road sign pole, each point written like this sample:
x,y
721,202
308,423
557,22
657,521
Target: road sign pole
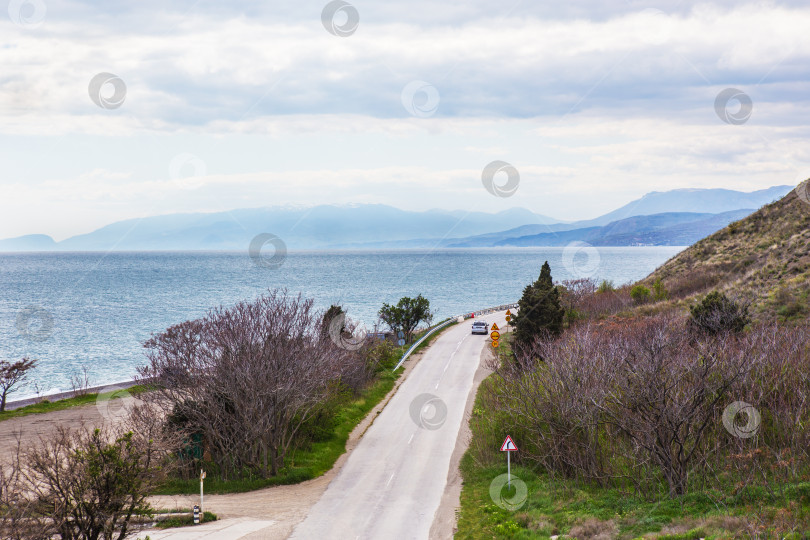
x,y
202,507
509,446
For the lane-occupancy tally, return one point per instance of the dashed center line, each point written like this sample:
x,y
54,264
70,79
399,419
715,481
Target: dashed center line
x,y
447,365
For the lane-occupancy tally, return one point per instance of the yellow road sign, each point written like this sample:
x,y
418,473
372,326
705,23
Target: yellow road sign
x,y
508,318
495,344
495,335
508,312
495,326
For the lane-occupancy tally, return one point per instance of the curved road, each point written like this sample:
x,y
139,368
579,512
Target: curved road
x,y
393,481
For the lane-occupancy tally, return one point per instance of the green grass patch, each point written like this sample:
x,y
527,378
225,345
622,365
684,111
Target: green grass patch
x,y
46,406
183,521
565,507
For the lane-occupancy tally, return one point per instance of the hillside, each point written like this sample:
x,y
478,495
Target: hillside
x,y
764,258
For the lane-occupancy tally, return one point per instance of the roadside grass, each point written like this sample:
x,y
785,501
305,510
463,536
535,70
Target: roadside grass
x,y
183,521
46,406
568,509
571,509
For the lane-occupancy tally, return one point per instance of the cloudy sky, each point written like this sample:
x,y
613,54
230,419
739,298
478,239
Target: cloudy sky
x,y
248,104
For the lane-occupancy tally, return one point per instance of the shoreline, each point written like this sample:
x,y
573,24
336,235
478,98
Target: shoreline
x,y
24,402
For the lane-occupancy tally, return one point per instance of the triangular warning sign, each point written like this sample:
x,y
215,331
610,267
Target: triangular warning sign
x,y
508,311
495,326
508,445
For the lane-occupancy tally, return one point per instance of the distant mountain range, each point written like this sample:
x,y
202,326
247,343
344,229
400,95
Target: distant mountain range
x,y
666,229
678,217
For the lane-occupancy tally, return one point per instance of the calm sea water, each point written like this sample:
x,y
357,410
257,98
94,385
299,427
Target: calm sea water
x,y
74,310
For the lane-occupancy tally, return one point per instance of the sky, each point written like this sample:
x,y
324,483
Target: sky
x,y
119,109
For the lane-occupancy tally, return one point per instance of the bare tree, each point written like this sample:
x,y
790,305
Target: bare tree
x,y
247,378
81,484
638,401
665,393
80,382
13,374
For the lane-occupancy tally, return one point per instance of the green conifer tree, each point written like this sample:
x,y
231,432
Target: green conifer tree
x,y
540,314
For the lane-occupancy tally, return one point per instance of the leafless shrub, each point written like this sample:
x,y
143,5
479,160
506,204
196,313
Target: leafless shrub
x,y
665,393
583,299
248,378
574,290
80,382
554,400
84,483
642,401
18,521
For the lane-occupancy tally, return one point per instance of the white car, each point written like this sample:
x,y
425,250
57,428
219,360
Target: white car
x,y
480,327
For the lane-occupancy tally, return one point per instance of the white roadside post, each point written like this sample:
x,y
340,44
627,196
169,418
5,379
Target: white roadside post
x,y
508,446
202,508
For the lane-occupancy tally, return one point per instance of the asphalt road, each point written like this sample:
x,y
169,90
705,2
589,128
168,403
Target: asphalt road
x,y
392,483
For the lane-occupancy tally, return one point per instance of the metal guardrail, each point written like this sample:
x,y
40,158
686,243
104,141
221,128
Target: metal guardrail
x,y
487,311
423,338
448,321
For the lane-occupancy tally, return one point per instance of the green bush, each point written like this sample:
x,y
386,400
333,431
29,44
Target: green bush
x,y
606,286
640,294
717,314
659,291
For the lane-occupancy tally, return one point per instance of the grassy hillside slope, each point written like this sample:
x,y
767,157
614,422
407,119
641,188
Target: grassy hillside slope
x,y
764,258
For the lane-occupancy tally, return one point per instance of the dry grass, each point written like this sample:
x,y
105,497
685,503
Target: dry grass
x,y
764,258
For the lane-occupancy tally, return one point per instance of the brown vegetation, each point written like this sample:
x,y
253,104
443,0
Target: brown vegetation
x,y
641,403
82,484
247,382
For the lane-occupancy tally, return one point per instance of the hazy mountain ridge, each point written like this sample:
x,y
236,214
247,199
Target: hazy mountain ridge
x,y
377,226
317,227
667,229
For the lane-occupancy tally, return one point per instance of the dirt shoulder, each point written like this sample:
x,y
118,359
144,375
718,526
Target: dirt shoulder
x,y
29,429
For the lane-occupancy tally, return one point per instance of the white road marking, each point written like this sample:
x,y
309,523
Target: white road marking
x,y
411,439
389,480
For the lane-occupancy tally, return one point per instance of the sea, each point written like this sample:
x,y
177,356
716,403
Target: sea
x,y
93,311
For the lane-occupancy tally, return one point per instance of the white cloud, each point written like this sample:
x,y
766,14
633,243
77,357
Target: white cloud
x,y
594,104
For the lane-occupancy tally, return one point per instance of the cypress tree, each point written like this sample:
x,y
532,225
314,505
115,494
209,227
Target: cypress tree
x,y
540,314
